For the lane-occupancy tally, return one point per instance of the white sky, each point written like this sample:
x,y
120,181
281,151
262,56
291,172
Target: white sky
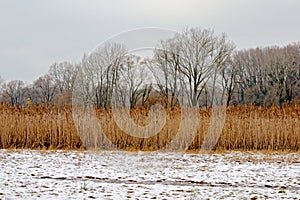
x,y
34,33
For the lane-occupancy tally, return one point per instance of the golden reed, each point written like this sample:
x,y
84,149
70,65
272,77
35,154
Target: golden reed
x,y
246,128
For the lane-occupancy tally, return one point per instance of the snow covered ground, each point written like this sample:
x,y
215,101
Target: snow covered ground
x,y
126,175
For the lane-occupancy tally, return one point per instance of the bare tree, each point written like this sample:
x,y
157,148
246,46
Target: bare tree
x,y
268,76
46,90
165,67
252,76
199,55
99,74
292,72
64,75
13,92
133,80
229,80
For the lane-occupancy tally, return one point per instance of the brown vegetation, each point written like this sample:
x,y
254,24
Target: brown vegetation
x,y
246,128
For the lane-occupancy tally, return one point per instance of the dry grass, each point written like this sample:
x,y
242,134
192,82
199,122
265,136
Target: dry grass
x,y
37,128
246,128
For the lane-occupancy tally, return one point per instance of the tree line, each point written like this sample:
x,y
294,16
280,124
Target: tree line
x,y
196,66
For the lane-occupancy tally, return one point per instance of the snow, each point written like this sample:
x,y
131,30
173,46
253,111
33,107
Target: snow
x,y
31,174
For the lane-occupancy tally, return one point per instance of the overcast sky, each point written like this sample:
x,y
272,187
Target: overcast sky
x,y
36,33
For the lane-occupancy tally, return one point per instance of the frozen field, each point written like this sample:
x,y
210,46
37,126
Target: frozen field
x,y
123,175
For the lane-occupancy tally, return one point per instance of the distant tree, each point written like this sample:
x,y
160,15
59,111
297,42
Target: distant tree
x,y
13,92
63,74
291,81
99,73
229,80
132,81
30,95
45,89
268,76
165,67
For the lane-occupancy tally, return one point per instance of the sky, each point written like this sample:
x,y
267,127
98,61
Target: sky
x,y
34,34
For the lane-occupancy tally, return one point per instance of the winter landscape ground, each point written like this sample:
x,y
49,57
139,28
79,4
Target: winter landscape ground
x,y
30,174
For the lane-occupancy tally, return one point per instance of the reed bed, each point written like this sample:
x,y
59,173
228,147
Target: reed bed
x,y
246,128
37,128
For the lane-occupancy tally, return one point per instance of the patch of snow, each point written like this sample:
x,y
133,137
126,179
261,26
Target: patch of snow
x,y
142,175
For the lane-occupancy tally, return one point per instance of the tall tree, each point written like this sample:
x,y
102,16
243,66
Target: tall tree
x,y
199,54
63,74
165,68
99,74
133,80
